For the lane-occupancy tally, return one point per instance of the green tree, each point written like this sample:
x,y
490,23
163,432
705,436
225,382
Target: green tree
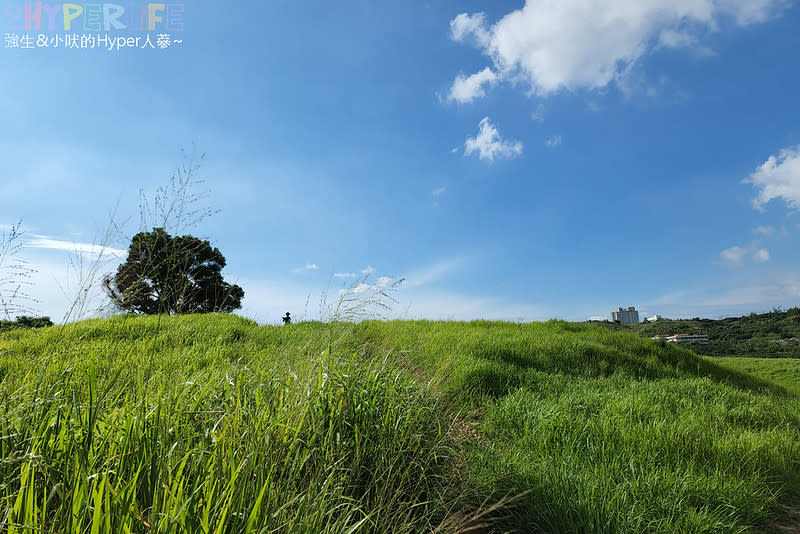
x,y
165,274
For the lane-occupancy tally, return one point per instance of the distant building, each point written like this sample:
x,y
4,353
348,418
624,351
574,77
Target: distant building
x,y
654,318
626,316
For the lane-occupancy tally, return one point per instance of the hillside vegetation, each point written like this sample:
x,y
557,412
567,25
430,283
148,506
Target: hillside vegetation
x,y
784,372
214,424
765,335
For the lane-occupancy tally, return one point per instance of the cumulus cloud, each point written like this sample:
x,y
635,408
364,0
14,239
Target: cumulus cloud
x,y
467,27
778,178
467,88
575,44
490,145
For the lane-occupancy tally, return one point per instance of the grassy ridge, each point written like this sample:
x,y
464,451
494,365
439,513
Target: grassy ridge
x,y
610,431
213,424
784,372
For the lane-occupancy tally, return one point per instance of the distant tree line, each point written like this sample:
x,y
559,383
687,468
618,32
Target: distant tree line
x,y
772,334
25,321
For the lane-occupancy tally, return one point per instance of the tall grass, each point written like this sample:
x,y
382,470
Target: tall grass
x,y
213,424
207,425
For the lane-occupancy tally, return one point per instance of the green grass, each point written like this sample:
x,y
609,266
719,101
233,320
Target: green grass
x,y
213,424
784,372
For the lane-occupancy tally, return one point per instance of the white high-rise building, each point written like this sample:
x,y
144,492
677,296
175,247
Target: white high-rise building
x,y
626,316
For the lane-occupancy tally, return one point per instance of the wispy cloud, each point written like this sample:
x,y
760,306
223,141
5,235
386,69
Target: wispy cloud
x,y
538,115
777,289
455,306
737,255
761,255
438,191
307,267
435,271
553,141
733,255
764,230
366,271
381,283
728,297
92,250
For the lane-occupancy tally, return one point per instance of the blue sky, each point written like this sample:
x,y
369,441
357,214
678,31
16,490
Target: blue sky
x,y
512,160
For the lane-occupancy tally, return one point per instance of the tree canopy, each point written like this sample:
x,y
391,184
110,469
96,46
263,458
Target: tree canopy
x,y
174,275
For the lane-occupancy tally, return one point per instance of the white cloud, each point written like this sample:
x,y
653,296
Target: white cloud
x,y
553,141
345,275
490,145
778,177
761,255
670,38
465,89
305,268
538,115
733,255
777,289
439,191
92,250
368,270
764,230
737,255
465,26
358,290
578,44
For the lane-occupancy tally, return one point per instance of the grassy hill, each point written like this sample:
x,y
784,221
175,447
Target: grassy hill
x,y
765,335
214,424
784,372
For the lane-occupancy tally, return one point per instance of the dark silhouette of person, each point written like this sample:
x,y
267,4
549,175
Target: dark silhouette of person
x,y
287,319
